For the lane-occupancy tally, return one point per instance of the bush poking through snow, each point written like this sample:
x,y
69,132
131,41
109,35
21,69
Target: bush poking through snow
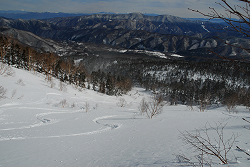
x,y
19,98
143,107
122,102
73,105
153,107
2,92
7,70
63,102
205,144
96,106
20,82
13,93
87,107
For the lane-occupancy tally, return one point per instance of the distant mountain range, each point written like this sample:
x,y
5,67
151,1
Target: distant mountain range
x,y
35,15
163,24
19,14
12,11
163,33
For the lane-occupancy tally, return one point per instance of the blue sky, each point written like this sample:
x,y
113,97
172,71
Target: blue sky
x,y
173,7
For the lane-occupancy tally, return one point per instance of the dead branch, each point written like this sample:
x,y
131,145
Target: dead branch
x,y
243,151
202,141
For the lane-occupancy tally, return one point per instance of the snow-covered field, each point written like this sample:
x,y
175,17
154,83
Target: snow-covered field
x,y
43,126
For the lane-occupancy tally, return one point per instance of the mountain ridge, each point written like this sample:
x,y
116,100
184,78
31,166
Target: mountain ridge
x,y
134,31
165,24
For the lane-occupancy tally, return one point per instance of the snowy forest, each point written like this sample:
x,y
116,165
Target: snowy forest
x,y
192,83
24,57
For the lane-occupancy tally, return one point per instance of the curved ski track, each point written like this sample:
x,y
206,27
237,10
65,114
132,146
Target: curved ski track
x,y
47,122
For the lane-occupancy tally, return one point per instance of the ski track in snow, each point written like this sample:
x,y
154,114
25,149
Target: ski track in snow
x,y
108,127
46,122
112,126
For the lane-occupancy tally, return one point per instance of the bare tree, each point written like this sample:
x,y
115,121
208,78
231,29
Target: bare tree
x,y
204,102
143,107
237,17
231,103
30,59
247,129
50,61
62,86
203,142
153,107
4,45
240,12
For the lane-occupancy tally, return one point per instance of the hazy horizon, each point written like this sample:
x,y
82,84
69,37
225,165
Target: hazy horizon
x,y
171,7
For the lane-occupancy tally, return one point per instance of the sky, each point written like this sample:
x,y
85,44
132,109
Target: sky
x,y
172,7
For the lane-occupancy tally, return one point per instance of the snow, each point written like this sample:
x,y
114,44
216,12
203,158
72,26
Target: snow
x,y
176,55
77,61
122,51
203,26
150,53
36,130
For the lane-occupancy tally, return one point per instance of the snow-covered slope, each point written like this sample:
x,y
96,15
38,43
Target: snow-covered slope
x,y
43,126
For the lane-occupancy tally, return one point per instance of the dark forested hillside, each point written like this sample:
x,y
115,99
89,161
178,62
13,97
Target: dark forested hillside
x,y
162,33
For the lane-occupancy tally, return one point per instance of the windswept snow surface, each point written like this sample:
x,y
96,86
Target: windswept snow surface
x,y
36,130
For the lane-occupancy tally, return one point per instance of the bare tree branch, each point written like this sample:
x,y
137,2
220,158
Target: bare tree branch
x,y
201,141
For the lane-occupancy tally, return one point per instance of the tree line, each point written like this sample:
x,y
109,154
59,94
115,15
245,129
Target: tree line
x,y
24,57
188,82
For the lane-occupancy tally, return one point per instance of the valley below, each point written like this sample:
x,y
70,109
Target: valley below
x,y
123,90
